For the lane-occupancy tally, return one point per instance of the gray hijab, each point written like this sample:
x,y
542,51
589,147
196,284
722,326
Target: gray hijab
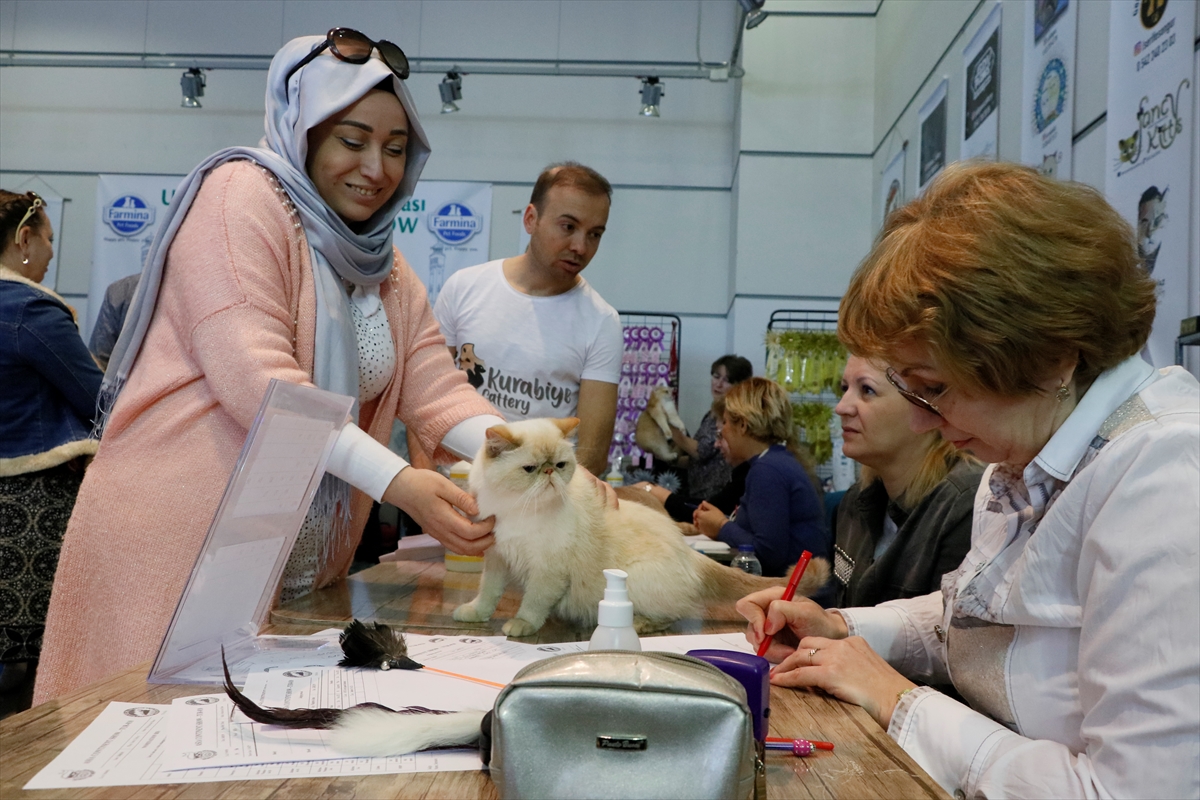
x,y
314,93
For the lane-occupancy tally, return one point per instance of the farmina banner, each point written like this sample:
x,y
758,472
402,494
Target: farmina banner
x,y
1148,147
444,227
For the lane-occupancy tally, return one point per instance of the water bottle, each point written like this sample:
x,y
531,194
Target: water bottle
x,y
746,561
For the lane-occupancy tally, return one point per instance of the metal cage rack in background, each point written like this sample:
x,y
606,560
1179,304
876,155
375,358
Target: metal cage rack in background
x,y
652,348
818,321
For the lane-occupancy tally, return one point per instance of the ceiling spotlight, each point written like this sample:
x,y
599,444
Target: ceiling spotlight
x,y
451,89
755,14
192,83
652,92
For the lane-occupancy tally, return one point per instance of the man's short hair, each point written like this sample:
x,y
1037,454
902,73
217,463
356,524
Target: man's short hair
x,y
569,173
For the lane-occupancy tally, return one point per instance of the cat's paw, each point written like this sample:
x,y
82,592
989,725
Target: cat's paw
x,y
469,612
645,625
520,627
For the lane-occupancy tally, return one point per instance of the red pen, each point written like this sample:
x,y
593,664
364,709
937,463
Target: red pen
x,y
789,592
785,743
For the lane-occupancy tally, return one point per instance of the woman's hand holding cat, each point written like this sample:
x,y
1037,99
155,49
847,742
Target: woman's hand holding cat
x,y
431,500
708,519
787,620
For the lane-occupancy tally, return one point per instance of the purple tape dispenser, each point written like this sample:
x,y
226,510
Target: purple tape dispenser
x,y
753,673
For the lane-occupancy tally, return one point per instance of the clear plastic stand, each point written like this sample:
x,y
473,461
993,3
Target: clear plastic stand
x,y
230,592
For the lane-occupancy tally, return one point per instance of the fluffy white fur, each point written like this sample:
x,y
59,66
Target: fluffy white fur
x,y
375,732
555,535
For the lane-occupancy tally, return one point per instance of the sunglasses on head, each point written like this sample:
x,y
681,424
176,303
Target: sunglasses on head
x,y
354,47
33,207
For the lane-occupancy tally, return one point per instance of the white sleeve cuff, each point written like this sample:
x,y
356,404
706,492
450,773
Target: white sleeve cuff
x,y
363,462
465,438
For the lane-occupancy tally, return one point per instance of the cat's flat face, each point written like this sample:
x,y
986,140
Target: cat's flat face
x,y
529,458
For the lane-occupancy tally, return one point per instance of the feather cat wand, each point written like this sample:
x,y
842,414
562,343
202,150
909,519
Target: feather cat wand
x,y
371,729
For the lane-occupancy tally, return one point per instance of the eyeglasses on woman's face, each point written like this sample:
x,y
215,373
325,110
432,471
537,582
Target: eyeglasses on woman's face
x,y
33,209
351,46
917,400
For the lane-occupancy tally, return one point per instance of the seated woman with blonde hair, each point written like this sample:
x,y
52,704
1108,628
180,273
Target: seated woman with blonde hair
x,y
908,521
1011,309
781,513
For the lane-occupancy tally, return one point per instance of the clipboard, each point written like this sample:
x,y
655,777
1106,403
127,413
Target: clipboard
x,y
229,595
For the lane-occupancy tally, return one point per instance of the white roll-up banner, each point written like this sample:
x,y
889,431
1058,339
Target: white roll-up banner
x,y
1148,147
1048,86
981,90
444,227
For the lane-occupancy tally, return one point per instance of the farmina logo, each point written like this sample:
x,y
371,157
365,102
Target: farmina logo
x,y
455,223
128,215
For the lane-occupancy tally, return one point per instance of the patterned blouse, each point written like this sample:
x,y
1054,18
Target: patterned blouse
x,y
709,471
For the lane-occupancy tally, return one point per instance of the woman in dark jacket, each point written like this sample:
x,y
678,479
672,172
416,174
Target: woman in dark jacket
x,y
781,513
908,521
46,413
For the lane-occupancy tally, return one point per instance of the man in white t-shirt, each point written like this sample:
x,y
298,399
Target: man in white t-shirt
x,y
533,337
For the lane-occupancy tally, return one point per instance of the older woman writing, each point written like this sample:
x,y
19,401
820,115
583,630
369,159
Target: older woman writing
x,y
908,521
1011,309
272,262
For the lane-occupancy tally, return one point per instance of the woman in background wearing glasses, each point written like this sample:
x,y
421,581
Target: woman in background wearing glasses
x,y
1012,308
272,262
46,411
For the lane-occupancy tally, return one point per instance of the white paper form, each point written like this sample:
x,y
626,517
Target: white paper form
x,y
207,728
112,751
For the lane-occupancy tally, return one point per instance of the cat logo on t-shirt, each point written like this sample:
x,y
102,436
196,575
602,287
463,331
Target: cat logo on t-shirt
x,y
471,364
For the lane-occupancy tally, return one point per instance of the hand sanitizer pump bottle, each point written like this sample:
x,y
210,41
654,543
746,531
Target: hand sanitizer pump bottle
x,y
615,631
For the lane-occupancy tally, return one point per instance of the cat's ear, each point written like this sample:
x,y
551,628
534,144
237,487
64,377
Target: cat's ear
x,y
566,425
500,439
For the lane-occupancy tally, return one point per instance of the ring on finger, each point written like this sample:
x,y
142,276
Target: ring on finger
x,y
812,653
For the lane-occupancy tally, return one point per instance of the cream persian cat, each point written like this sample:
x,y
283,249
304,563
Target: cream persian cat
x,y
555,535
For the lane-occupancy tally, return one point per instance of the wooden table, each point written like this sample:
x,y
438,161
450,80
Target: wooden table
x,y
420,596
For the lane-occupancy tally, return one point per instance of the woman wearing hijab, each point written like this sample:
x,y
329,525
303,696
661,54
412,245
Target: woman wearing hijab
x,y
272,262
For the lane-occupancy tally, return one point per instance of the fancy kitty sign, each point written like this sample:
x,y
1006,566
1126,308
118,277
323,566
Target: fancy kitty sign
x,y
1149,146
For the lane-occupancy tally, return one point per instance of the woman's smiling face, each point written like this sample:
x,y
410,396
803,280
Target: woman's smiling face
x,y
356,158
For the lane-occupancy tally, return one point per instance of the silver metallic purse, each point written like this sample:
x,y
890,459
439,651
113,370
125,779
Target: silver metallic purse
x,y
617,724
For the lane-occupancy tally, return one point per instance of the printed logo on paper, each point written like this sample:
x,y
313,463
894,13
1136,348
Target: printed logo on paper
x,y
202,701
140,711
984,67
77,774
1051,97
128,215
455,223
1158,125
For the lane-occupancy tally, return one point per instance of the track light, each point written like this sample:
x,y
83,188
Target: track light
x,y
451,89
192,83
652,92
755,14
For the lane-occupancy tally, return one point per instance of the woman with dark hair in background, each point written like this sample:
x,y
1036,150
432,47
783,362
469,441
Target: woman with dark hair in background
x,y
46,415
1011,308
710,476
908,520
272,262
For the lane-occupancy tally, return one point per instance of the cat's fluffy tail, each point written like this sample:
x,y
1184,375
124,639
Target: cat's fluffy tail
x,y
375,732
723,583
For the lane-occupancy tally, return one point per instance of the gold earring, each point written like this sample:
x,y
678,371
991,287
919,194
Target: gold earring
x,y
1063,392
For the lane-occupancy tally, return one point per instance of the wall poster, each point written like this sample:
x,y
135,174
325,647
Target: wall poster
x,y
441,229
1048,86
932,116
981,90
892,185
1148,147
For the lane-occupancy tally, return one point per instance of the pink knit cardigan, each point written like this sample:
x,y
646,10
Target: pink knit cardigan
x,y
236,308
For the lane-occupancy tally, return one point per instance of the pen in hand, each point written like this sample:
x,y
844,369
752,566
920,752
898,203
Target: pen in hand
x,y
788,593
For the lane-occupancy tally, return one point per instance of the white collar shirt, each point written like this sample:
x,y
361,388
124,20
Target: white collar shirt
x,y
1073,624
